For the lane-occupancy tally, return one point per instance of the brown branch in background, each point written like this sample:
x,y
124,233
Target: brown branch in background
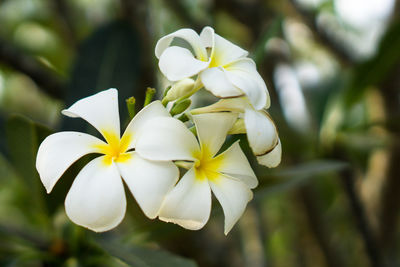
x,y
371,246
47,80
251,235
322,36
64,16
396,9
390,195
314,218
389,209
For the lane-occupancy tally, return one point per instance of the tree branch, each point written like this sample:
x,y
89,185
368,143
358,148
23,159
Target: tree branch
x,y
390,196
372,249
64,15
314,217
47,81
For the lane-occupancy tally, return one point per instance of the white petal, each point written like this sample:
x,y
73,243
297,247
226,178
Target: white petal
x,y
96,199
149,181
212,129
100,110
233,196
153,110
261,131
216,81
273,158
177,63
189,203
243,74
207,36
189,36
166,139
234,163
59,151
225,52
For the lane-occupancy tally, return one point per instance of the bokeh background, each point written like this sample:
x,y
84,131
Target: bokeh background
x,y
333,71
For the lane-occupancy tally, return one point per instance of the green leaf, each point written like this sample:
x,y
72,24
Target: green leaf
x,y
138,256
2,134
6,170
23,141
290,178
109,58
22,146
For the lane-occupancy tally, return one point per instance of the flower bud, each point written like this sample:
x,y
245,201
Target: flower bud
x,y
238,127
130,104
181,89
150,92
180,106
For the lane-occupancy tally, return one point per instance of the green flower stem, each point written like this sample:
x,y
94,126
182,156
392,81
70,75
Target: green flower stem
x,y
130,104
164,101
150,92
183,118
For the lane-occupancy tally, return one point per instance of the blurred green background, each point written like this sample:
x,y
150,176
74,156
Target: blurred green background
x,y
333,71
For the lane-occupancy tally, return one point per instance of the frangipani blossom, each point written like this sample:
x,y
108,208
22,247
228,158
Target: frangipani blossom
x,y
228,175
96,199
222,67
261,131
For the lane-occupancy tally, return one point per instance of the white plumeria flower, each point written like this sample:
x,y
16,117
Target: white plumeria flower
x,y
261,131
229,174
222,67
96,199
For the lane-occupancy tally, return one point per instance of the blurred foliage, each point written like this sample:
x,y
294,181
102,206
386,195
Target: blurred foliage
x,y
108,58
335,199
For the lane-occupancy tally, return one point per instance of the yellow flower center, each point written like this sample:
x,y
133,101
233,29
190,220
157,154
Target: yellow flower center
x,y
115,149
213,55
214,62
205,166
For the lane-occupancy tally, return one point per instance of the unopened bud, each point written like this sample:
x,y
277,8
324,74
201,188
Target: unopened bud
x,y
181,89
180,106
150,92
130,104
238,127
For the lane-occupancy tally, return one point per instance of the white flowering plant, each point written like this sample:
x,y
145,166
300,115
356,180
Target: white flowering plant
x,y
133,134
157,141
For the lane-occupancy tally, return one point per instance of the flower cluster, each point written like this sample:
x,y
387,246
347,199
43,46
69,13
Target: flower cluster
x,y
159,140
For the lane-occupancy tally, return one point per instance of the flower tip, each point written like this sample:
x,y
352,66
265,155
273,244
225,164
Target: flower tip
x,y
227,230
68,113
185,223
97,231
273,158
48,188
208,28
